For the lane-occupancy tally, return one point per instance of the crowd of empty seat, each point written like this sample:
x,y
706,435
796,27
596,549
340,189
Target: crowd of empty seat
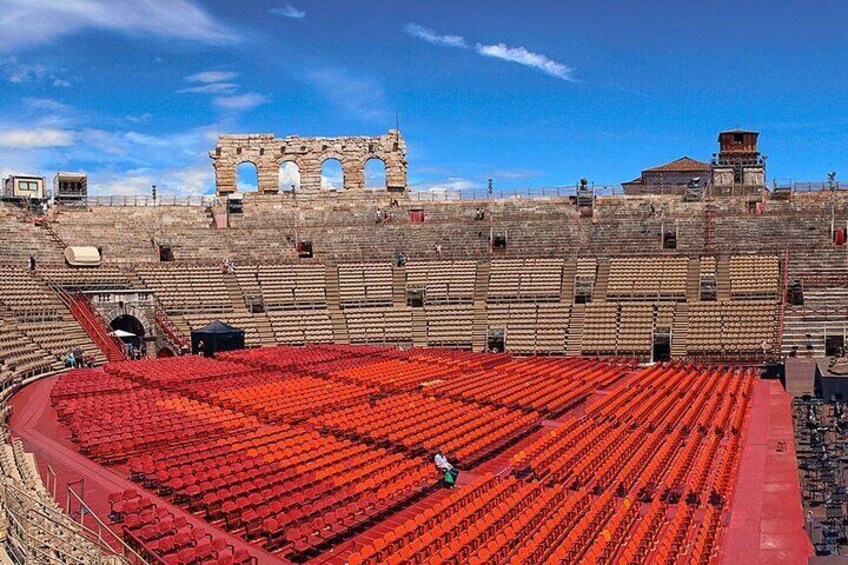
x,y
188,289
379,325
365,284
283,287
624,484
531,328
160,537
522,280
641,278
736,328
443,282
754,276
424,424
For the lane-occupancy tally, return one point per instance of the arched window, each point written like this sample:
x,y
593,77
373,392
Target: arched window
x,y
332,175
247,179
289,176
375,174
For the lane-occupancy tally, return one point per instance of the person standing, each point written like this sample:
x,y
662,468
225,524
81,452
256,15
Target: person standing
x,y
32,263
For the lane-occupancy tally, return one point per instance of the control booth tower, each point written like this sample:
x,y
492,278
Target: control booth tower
x,y
739,168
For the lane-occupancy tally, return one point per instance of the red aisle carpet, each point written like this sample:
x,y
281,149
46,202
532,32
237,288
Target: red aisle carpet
x,y
767,520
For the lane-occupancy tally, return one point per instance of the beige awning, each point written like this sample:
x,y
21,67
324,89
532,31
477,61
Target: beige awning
x,y
82,256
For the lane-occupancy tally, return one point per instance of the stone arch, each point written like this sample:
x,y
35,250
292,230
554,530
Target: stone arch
x,y
289,175
374,172
267,152
116,310
329,174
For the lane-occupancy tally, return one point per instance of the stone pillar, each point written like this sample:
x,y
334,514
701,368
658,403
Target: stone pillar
x,y
354,174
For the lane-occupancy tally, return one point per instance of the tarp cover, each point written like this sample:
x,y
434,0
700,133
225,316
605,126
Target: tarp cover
x,y
216,337
82,256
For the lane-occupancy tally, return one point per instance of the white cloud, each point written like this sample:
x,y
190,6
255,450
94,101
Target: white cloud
x,y
45,104
430,36
289,11
449,185
289,175
181,181
214,88
61,83
501,51
27,23
35,138
208,77
141,118
240,102
527,58
359,97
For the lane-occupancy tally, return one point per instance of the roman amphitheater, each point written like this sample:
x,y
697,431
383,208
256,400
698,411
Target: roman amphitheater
x,y
647,376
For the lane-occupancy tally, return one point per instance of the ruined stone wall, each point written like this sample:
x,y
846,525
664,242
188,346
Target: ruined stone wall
x,y
268,153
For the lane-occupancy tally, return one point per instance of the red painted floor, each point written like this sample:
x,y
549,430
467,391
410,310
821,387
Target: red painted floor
x,y
766,518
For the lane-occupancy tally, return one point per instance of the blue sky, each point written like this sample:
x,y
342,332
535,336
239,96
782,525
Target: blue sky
x,y
530,94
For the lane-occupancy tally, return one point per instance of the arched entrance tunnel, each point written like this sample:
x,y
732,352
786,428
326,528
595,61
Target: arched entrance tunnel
x,y
132,325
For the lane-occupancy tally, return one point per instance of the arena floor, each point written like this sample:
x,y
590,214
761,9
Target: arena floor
x,y
764,524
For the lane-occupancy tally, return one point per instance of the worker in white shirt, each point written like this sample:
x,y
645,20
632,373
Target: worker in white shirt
x,y
450,472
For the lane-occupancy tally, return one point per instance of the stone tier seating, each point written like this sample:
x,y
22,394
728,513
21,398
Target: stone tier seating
x,y
754,276
365,284
525,280
101,278
624,328
34,311
40,531
284,287
298,327
21,239
658,278
379,325
532,328
449,325
188,289
736,328
444,282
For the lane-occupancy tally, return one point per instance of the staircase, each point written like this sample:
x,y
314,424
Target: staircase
x,y
680,329
480,321
723,279
693,280
399,287
569,273
419,327
709,229
574,346
600,290
172,333
337,317
95,326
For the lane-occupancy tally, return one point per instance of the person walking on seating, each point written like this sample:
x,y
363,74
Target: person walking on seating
x,y
443,465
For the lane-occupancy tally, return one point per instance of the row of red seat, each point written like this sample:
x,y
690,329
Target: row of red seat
x,y
509,520
550,386
83,382
665,437
176,370
160,537
113,426
465,431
